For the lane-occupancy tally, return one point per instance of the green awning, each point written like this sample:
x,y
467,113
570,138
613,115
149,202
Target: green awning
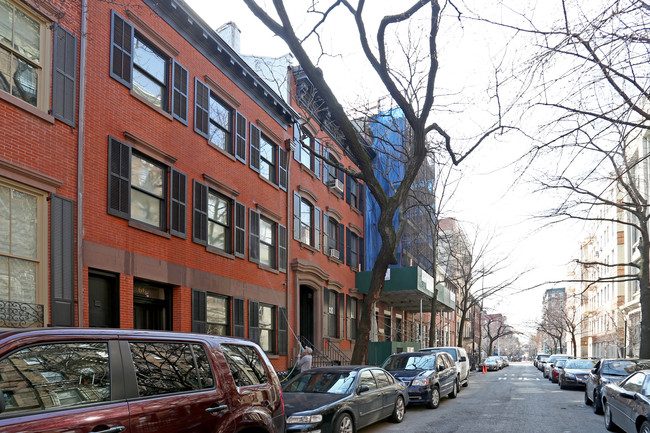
x,y
405,287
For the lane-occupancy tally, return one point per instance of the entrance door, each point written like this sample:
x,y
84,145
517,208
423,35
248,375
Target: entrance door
x,y
103,301
151,307
307,313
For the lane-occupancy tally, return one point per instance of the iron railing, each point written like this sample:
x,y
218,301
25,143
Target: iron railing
x,y
330,355
335,354
20,315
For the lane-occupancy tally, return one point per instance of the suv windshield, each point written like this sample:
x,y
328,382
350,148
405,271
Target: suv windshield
x,y
321,381
450,351
410,363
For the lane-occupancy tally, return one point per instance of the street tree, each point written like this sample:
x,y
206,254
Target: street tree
x,y
589,83
403,58
494,328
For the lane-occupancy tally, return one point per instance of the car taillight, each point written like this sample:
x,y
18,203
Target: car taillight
x,y
282,402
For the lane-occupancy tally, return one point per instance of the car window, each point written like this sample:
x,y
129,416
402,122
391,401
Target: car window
x,y
367,378
381,378
634,382
203,363
409,363
49,376
620,367
646,386
579,364
163,368
323,382
449,350
245,364
440,361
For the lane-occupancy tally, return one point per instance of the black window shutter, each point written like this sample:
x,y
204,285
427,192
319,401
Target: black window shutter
x,y
178,211
325,165
341,330
254,236
119,178
240,230
361,199
238,318
180,89
240,137
348,188
201,107
348,241
326,230
326,312
316,228
362,255
297,142
121,50
282,248
284,177
199,316
282,331
342,243
317,159
62,261
254,321
341,175
200,214
255,148
65,75
296,216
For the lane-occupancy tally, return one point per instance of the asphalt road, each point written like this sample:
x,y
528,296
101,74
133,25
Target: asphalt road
x,y
515,399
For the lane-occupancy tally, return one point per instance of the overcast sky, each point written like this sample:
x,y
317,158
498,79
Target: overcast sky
x,y
486,201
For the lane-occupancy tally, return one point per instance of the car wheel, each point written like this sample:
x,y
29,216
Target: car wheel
x,y
344,424
434,402
598,405
645,427
609,424
587,399
398,412
466,384
454,392
561,384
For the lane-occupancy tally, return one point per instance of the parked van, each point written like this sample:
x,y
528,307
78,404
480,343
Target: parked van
x,y
459,356
58,380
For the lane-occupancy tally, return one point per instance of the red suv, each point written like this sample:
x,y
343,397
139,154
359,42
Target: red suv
x,y
111,381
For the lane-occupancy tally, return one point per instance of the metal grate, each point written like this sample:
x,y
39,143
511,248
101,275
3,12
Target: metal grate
x,y
20,315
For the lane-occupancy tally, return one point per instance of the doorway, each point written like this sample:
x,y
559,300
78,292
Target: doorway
x,y
103,302
307,313
151,306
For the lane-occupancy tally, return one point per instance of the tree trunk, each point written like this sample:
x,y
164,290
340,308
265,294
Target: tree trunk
x,y
432,328
644,296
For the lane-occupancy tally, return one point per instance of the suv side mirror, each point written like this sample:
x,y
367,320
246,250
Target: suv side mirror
x,y
363,388
594,370
441,368
463,358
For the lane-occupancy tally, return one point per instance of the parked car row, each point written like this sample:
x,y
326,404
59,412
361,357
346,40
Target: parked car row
x,y
495,363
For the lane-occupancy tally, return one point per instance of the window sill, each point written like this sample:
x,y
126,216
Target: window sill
x,y
219,252
355,210
150,105
266,268
308,170
308,247
269,182
220,150
335,193
335,260
19,103
149,229
272,356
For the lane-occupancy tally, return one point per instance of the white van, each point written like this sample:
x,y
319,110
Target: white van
x,y
460,357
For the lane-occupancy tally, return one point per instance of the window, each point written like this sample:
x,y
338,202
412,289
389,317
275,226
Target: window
x,y
352,186
355,250
138,188
219,222
381,378
368,379
306,221
20,256
49,376
165,368
150,70
352,306
333,238
330,313
354,194
267,242
246,366
220,124
267,327
308,150
267,160
217,314
148,190
22,56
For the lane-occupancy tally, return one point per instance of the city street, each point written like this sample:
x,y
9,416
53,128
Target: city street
x,y
515,399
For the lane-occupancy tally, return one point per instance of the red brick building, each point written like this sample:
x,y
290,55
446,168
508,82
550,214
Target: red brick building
x,y
171,193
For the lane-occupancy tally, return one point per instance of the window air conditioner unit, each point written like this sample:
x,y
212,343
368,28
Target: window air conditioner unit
x,y
336,185
334,253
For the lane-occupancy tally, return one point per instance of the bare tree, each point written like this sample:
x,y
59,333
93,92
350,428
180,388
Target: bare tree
x,y
409,82
495,328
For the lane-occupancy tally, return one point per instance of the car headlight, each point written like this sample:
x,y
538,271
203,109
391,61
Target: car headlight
x,y
304,419
569,376
420,382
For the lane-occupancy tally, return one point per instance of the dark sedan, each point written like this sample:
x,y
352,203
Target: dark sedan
x,y
606,371
574,373
627,403
342,399
428,375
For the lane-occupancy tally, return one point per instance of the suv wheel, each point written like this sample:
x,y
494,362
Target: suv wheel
x,y
454,392
434,402
587,399
598,404
466,384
